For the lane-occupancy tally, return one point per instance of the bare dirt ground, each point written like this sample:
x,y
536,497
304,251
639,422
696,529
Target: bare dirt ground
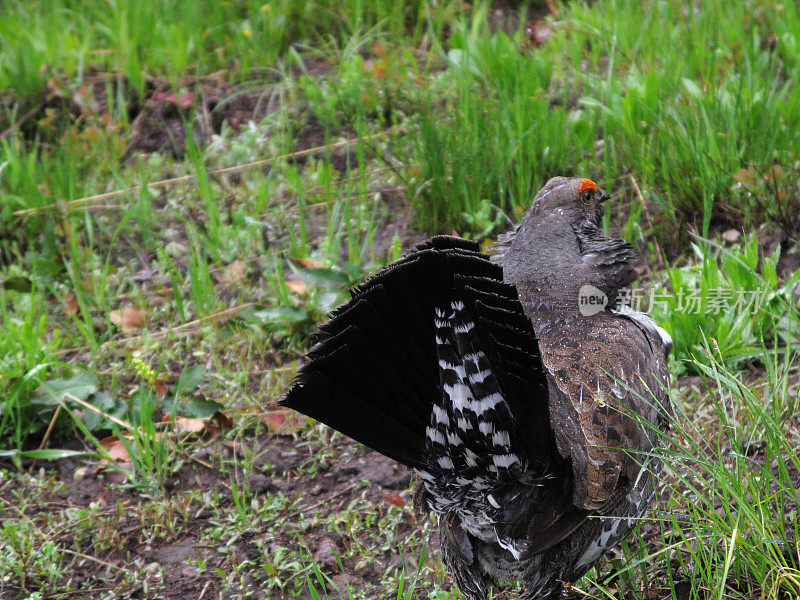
x,y
118,521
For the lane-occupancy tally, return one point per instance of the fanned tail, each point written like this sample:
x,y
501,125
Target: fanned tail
x,y
434,364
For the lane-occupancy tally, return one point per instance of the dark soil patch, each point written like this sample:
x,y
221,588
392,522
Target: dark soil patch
x,y
158,119
188,559
160,124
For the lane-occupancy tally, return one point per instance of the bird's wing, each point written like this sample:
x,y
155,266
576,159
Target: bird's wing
x,y
607,388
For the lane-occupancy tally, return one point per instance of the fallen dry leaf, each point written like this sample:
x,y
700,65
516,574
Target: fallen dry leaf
x,y
186,424
160,386
129,318
116,448
212,426
310,263
297,286
284,420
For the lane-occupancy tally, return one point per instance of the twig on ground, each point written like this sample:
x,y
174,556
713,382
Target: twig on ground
x,y
205,589
359,195
85,404
46,435
163,183
184,329
92,558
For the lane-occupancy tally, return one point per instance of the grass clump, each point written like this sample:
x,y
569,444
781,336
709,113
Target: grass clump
x,y
139,40
502,135
727,527
731,298
610,97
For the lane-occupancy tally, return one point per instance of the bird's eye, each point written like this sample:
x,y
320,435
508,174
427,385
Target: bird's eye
x,y
586,191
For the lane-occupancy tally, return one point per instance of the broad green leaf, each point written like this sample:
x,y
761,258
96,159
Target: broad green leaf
x,y
190,379
81,386
106,403
280,315
325,278
200,408
327,301
17,283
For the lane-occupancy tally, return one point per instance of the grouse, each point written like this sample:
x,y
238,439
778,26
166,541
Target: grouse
x,y
529,414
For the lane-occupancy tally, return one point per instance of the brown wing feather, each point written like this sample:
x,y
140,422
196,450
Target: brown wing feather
x,y
607,374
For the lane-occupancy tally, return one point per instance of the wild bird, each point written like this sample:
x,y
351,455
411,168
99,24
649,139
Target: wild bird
x,y
529,420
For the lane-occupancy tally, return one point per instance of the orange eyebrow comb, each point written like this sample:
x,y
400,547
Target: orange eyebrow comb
x,y
587,184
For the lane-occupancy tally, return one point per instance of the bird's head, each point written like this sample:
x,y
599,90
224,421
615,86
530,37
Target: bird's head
x,y
576,200
559,247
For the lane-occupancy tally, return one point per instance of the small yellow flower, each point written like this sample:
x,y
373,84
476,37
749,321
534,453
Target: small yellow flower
x,y
143,370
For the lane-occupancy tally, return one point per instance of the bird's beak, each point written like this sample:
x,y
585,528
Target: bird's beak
x,y
604,197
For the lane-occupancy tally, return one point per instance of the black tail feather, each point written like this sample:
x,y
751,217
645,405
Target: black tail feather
x,y
374,373
348,405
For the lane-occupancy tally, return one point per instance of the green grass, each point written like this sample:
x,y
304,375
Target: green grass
x,y
681,99
136,41
376,120
730,298
728,525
